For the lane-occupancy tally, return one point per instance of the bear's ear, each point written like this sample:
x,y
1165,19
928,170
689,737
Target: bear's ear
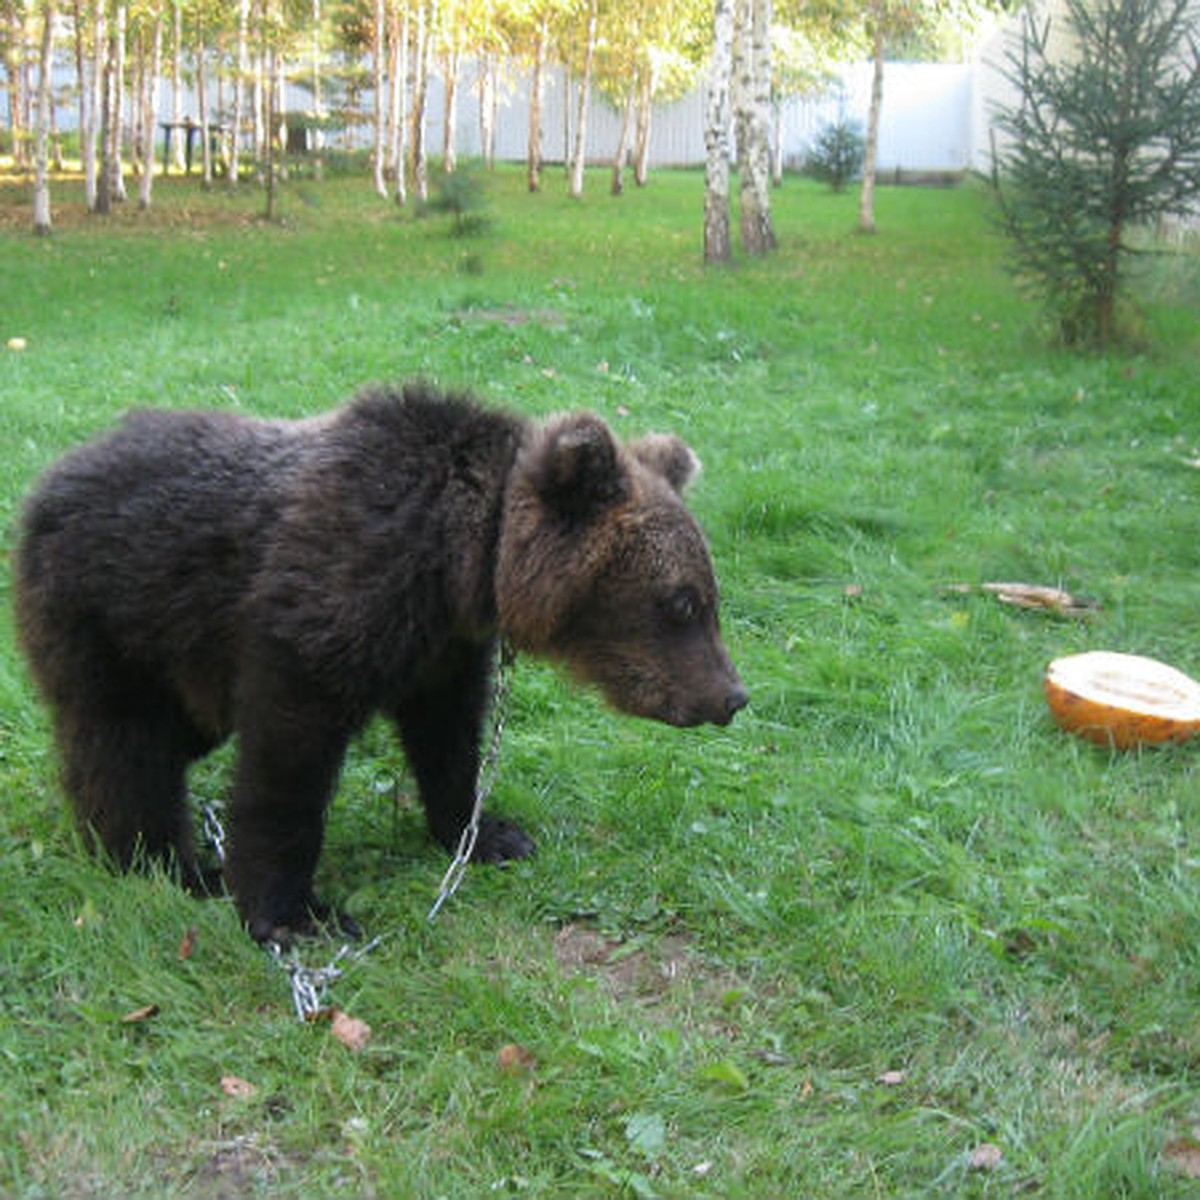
x,y
577,468
669,456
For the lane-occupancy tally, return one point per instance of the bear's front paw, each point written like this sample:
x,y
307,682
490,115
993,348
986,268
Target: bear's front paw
x,y
315,919
500,840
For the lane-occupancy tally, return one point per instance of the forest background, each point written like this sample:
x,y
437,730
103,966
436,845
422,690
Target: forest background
x,y
202,69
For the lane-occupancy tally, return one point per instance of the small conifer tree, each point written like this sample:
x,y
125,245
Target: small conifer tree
x,y
1104,139
836,157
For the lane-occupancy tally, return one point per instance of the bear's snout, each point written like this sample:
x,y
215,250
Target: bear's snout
x,y
720,706
735,700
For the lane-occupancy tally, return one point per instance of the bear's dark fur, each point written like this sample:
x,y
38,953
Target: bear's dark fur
x,y
196,575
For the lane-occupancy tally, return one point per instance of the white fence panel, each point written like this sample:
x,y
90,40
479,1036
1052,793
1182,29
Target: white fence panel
x,y
927,119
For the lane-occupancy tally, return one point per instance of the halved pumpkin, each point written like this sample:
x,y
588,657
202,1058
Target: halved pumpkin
x,y
1122,700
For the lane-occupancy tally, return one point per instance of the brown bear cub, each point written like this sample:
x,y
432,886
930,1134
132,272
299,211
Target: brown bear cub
x,y
192,576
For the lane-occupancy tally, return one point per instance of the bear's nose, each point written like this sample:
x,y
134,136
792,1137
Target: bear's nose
x,y
735,701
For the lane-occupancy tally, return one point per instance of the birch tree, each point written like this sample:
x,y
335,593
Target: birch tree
x,y
422,51
398,102
648,52
15,41
866,199
579,153
110,184
752,105
151,84
881,21
718,246
379,149
41,144
453,34
539,53
87,85
176,139
241,71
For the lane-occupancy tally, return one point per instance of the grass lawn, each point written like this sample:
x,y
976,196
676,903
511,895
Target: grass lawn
x,y
889,934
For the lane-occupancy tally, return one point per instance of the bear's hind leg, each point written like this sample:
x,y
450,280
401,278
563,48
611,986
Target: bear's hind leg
x,y
124,768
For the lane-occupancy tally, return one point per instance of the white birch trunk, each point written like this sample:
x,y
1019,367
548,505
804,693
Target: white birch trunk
x,y
717,243
585,90
450,65
318,134
418,157
87,108
110,188
117,96
14,68
641,139
176,150
618,171
487,109
866,200
149,100
537,91
241,70
202,105
753,98
399,103
379,111
41,133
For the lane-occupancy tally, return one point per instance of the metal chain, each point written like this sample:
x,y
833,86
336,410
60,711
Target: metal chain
x,y
486,780
309,984
214,828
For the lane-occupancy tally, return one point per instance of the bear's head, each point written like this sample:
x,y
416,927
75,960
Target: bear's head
x,y
602,568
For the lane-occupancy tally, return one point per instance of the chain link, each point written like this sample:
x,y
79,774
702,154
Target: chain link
x,y
309,984
214,828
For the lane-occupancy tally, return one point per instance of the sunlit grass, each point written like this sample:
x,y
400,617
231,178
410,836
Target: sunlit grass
x,y
889,916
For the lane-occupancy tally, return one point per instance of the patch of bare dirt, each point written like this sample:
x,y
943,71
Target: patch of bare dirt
x,y
236,1168
648,970
545,317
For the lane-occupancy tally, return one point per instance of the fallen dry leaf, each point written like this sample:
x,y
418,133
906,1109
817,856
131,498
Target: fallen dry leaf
x,y
187,944
1183,1156
350,1031
232,1085
512,1057
985,1157
140,1014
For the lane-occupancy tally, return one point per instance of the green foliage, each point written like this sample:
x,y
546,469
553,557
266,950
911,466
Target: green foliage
x,y
462,196
887,917
1104,138
836,157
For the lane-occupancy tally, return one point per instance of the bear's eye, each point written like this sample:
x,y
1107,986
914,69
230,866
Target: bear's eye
x,y
683,606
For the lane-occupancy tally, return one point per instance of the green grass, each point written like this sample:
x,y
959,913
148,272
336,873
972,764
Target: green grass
x,y
892,862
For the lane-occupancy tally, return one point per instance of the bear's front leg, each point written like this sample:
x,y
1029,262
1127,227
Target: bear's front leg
x,y
285,777
441,727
